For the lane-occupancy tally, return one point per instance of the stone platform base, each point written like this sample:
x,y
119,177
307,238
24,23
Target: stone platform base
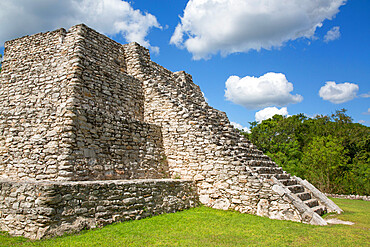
x,y
44,209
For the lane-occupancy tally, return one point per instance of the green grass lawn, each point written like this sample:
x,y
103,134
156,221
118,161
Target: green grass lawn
x,y
210,227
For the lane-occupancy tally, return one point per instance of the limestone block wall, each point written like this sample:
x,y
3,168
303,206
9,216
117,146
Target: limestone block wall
x,y
201,144
103,84
70,111
44,209
111,139
117,148
35,93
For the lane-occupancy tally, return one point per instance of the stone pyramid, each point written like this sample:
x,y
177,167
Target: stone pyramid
x,y
94,132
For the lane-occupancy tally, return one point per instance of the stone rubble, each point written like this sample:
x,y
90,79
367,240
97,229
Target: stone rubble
x,y
351,197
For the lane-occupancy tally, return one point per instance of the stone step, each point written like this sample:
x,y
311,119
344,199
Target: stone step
x,y
266,175
269,175
304,196
296,188
282,176
261,163
288,182
256,157
268,170
311,203
320,210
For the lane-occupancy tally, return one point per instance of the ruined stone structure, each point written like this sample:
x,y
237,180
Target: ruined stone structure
x,y
92,131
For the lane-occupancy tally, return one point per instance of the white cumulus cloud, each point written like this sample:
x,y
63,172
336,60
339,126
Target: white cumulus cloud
x,y
269,112
338,93
112,17
332,34
365,95
239,126
228,26
258,92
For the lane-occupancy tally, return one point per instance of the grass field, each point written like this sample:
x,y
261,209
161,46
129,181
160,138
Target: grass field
x,y
210,227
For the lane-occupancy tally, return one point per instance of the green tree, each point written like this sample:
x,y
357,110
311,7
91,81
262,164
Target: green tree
x,y
280,138
324,161
359,179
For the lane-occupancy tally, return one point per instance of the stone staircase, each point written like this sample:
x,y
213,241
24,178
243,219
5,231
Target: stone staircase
x,y
266,168
301,192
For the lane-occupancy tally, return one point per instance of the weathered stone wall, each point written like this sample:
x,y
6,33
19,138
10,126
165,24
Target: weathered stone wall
x,y
35,92
43,209
103,84
201,144
70,112
112,141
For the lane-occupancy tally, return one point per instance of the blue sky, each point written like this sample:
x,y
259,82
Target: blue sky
x,y
288,57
